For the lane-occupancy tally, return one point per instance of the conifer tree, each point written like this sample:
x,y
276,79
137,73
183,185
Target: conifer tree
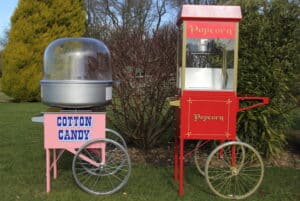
x,y
34,24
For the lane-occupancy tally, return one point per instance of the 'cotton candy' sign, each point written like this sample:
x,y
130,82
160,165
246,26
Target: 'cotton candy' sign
x,y
70,130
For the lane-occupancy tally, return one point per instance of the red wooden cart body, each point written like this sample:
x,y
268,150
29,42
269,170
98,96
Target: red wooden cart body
x,y
208,115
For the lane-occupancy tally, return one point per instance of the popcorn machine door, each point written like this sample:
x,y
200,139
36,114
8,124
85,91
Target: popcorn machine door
x,y
208,116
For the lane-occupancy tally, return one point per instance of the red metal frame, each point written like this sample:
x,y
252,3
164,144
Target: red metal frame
x,y
207,115
264,100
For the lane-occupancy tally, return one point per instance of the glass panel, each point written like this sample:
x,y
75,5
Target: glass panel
x,y
209,64
179,56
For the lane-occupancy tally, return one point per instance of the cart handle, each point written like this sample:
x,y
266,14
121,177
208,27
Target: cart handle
x,y
265,101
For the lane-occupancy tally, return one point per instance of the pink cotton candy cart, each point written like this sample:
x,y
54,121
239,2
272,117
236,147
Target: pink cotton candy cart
x,y
77,85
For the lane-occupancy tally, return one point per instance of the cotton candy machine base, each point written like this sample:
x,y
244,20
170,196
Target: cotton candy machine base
x,y
76,94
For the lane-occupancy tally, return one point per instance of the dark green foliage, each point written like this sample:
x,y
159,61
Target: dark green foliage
x,y
296,119
267,67
34,25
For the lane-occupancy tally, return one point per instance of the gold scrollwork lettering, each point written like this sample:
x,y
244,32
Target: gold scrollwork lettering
x,y
199,117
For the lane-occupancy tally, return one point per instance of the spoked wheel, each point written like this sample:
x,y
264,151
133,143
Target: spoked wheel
x,y
234,170
202,150
201,154
101,167
115,136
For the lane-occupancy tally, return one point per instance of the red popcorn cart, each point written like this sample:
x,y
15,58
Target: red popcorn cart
x,y
77,85
207,101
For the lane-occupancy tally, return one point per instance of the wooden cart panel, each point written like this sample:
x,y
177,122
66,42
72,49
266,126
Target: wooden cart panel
x,y
208,116
72,130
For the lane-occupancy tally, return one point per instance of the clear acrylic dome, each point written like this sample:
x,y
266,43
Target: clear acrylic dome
x,y
77,59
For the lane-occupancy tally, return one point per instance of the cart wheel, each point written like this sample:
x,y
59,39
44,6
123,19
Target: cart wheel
x,y
236,173
202,150
101,167
115,136
201,153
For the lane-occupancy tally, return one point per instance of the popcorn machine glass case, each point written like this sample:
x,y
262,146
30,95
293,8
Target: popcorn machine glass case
x,y
207,56
207,71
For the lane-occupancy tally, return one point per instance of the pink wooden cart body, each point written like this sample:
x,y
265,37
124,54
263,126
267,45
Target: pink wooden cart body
x,y
70,131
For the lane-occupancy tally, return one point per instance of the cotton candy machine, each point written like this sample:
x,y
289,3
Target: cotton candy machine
x,y
78,82
77,73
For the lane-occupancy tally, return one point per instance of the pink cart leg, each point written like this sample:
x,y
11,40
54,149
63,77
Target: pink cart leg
x,y
54,164
181,169
48,170
103,154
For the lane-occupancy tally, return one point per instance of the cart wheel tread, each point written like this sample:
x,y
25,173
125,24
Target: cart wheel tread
x,y
114,135
101,166
234,170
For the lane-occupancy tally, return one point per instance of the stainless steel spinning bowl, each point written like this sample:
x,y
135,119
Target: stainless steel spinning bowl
x,y
76,94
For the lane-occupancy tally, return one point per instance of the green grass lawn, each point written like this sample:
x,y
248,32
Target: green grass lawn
x,y
22,170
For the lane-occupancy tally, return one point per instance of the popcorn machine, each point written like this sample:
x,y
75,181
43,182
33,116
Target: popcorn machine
x,y
207,69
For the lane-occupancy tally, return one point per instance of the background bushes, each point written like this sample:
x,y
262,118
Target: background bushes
x,y
267,67
144,53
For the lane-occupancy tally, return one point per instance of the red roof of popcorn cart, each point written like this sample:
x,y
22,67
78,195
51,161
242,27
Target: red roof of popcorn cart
x,y
208,12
